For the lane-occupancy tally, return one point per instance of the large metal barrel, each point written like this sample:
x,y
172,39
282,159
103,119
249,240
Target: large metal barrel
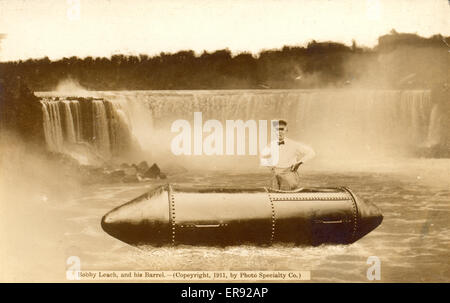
x,y
175,215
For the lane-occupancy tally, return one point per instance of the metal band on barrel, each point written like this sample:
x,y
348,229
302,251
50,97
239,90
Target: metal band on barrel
x,y
274,218
355,214
172,212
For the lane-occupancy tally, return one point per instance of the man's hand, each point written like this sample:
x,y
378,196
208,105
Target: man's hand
x,y
295,166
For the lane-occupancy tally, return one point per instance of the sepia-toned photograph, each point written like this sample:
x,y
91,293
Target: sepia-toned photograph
x,y
280,141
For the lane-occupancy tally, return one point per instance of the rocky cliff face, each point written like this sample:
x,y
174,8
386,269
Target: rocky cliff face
x,y
20,110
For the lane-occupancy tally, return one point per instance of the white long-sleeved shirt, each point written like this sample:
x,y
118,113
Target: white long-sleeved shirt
x,y
285,155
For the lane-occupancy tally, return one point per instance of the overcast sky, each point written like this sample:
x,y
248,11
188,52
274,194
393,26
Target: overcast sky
x,y
53,28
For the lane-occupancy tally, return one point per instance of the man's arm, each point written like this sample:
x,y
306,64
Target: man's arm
x,y
305,152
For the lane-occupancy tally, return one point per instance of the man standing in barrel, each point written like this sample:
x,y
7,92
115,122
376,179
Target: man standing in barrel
x,y
284,156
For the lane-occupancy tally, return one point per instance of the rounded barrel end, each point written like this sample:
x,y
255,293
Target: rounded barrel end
x,y
142,220
369,217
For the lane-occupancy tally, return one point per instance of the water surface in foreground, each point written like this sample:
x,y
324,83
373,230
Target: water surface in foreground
x,y
412,242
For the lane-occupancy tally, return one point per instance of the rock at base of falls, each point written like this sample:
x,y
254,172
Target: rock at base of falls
x,y
142,167
153,172
132,173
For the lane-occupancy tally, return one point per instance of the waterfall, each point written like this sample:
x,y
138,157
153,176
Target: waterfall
x,y
337,123
119,128
69,123
75,109
365,122
77,126
101,129
52,126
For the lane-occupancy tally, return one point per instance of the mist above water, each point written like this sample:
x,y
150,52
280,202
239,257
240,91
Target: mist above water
x,y
70,86
341,125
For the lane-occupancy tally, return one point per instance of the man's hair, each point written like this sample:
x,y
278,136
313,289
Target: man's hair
x,y
279,122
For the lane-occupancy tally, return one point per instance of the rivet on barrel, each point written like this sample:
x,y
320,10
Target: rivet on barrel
x,y
172,212
272,235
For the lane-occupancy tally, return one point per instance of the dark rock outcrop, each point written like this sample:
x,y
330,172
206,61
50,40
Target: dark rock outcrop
x,y
153,172
20,110
142,167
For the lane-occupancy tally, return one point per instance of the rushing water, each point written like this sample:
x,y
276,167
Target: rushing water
x,y
360,122
412,242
